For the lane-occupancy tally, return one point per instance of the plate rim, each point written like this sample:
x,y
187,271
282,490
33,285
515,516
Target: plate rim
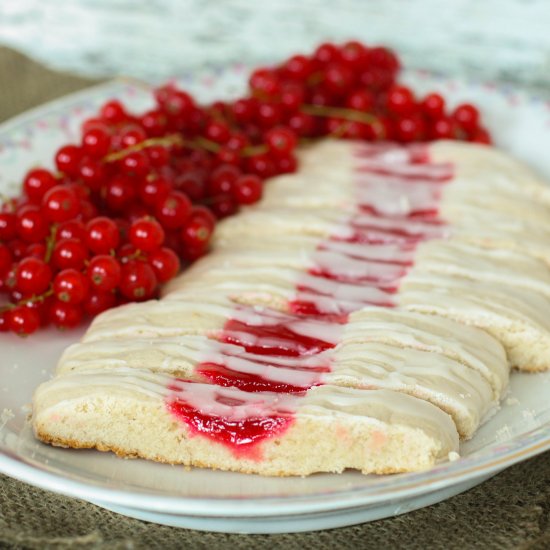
x,y
517,449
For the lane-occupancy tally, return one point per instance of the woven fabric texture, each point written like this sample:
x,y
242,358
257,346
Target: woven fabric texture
x,y
511,510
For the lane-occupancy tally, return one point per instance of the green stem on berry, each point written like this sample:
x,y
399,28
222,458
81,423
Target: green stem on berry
x,y
339,112
30,300
253,150
50,243
165,141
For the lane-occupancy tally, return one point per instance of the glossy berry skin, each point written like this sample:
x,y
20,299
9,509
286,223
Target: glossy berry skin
x,y
248,190
222,180
96,142
92,173
23,320
360,100
60,204
8,226
433,106
37,183
265,83
138,281
71,286
113,112
146,234
69,253
198,228
135,164
173,210
153,190
6,259
338,78
67,160
102,235
104,273
97,302
400,100
466,116
33,276
119,192
281,141
298,67
73,229
165,264
64,315
32,227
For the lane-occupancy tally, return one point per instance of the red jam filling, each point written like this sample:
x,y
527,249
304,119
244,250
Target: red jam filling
x,y
244,435
222,376
276,339
241,436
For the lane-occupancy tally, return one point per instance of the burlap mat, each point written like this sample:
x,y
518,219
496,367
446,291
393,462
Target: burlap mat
x,y
509,511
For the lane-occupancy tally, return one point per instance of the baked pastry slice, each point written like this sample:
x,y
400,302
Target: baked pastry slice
x,y
137,413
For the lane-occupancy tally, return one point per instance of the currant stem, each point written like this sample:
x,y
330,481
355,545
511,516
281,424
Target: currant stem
x,y
340,112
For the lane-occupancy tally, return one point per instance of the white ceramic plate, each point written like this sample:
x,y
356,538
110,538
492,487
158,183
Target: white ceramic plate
x,y
220,501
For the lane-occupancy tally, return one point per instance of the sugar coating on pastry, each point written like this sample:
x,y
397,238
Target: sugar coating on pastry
x,y
365,309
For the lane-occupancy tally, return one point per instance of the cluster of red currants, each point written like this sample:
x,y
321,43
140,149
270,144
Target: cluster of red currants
x,y
141,194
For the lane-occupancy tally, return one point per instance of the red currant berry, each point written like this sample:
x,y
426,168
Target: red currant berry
x,y
286,164
298,67
36,250
354,54
96,302
173,210
360,100
64,315
244,110
71,286
153,190
113,112
466,116
33,276
261,165
92,173
223,206
222,180
72,229
174,102
441,128
198,228
281,140
96,142
165,264
154,122
326,53
265,82
433,106
248,189
60,204
118,193
67,160
217,131
37,182
158,155
4,321
400,100
146,234
69,253
131,135
481,135
302,124
23,320
135,164
338,78
138,281
268,115
292,98
6,259
8,226
18,248
32,227
102,235
104,272
410,128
